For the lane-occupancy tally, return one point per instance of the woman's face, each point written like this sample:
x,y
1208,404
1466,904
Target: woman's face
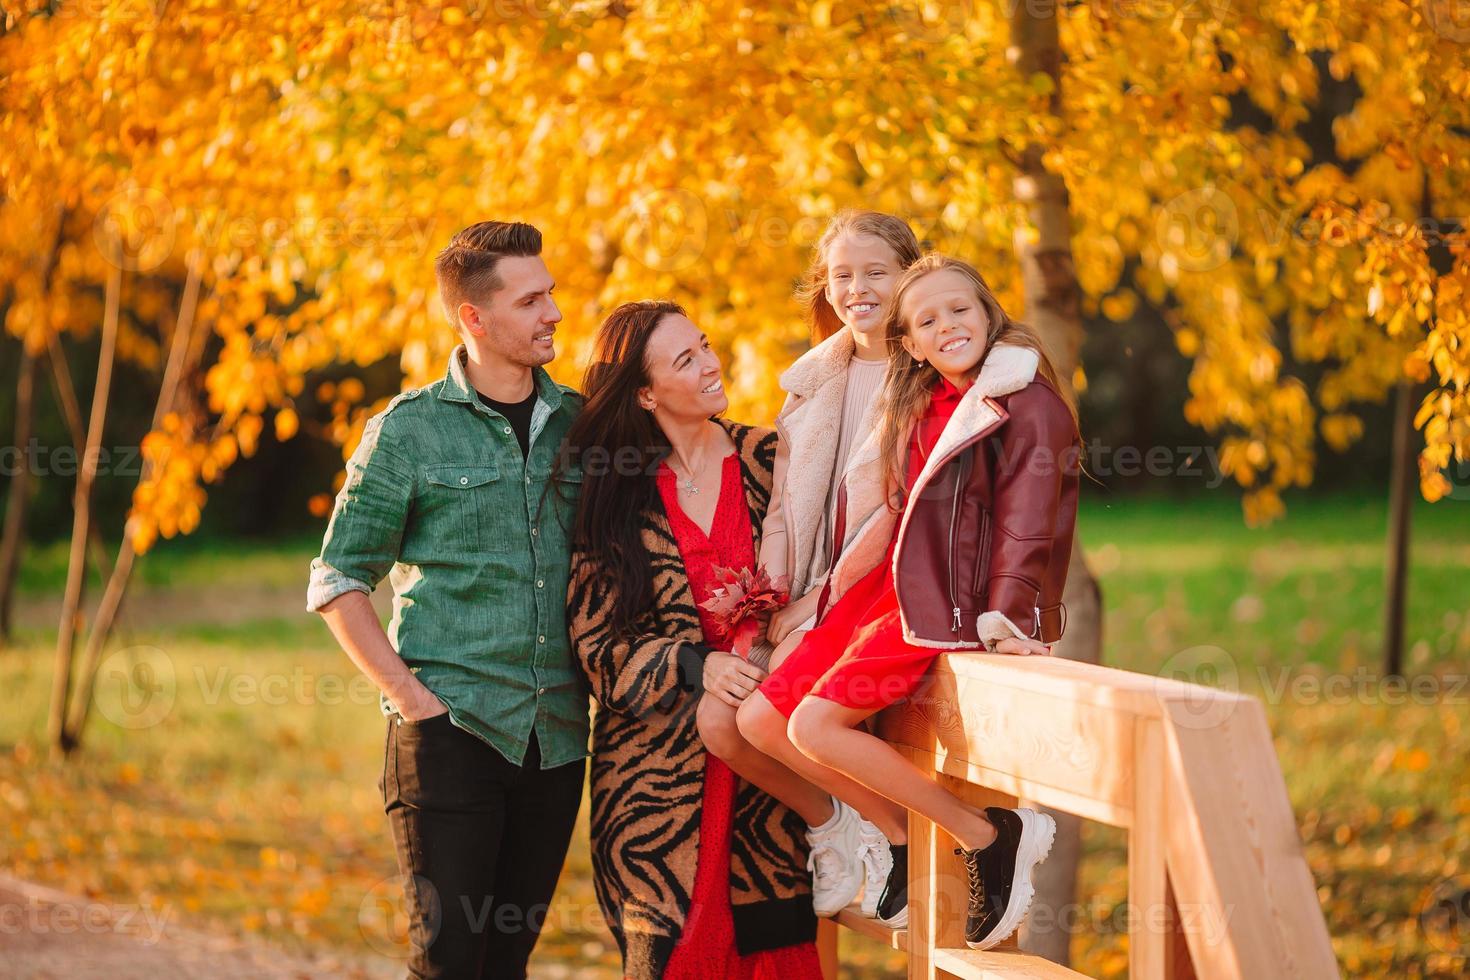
x,y
683,370
861,270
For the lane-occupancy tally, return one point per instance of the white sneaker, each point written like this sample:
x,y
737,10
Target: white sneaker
x,y
837,873
877,858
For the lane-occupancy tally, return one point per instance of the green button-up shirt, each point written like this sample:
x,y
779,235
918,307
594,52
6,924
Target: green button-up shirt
x,y
439,498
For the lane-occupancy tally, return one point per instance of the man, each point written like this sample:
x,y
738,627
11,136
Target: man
x,y
487,716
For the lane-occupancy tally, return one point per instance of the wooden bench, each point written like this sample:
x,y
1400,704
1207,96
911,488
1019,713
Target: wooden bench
x,y
1217,883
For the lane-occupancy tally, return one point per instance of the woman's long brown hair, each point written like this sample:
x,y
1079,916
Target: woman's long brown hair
x,y
910,383
619,445
811,292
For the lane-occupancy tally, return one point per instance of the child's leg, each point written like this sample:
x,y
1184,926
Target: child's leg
x,y
783,650
831,735
722,738
765,728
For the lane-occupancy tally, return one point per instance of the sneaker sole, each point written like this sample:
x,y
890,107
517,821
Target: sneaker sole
x,y
1038,831
849,847
871,893
848,900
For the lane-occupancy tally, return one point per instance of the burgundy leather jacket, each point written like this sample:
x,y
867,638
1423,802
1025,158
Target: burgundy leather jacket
x,y
986,534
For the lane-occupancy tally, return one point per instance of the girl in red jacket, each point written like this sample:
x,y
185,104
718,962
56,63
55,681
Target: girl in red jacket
x,y
976,454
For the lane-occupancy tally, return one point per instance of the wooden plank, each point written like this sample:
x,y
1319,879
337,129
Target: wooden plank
x,y
1245,894
1109,687
1050,748
1177,964
853,918
1150,928
827,954
923,898
938,883
1218,884
995,965
1102,811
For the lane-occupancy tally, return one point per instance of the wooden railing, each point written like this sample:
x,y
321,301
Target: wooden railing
x,y
1217,883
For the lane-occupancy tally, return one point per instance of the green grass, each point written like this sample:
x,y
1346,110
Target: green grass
x,y
247,816
186,562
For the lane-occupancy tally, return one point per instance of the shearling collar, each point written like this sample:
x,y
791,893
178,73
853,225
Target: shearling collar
x,y
1007,368
817,366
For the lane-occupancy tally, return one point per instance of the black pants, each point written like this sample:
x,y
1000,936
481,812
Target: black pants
x,y
480,844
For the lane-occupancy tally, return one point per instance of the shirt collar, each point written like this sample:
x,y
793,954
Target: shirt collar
x,y
945,391
456,387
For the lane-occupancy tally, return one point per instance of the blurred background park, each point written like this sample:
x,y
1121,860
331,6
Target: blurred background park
x,y
1240,227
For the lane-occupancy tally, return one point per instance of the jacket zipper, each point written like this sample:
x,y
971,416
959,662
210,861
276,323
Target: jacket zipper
x,y
982,556
1003,415
954,524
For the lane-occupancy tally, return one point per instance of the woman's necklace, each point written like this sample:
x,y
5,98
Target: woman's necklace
x,y
688,483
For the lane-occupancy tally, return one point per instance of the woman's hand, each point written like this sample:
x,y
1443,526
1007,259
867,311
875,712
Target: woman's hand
x,y
792,615
1023,648
425,706
730,678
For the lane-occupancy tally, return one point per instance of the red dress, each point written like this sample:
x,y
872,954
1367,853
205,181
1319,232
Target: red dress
x,y
706,948
856,655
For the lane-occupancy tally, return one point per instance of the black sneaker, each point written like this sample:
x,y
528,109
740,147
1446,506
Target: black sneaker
x,y
1000,874
893,904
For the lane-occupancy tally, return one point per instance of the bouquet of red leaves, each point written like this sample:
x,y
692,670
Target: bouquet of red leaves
x,y
742,603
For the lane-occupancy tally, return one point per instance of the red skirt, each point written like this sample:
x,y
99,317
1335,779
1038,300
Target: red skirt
x,y
856,655
706,945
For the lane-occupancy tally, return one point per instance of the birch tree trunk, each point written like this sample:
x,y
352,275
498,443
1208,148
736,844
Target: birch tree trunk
x,y
76,569
1053,308
122,568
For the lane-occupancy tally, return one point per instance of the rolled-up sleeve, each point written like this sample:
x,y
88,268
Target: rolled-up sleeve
x,y
366,531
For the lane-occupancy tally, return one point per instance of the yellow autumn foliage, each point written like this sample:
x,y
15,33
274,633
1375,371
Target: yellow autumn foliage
x,y
309,160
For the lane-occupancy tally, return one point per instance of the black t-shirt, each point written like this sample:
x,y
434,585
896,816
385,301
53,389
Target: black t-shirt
x,y
518,414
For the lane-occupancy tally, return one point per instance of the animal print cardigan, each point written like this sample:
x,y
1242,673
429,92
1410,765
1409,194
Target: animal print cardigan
x,y
648,761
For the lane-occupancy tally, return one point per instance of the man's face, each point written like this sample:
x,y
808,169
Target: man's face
x,y
518,322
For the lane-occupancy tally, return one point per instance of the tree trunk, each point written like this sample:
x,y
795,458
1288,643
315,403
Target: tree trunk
x,y
13,541
76,569
20,490
1400,502
66,397
122,569
1053,308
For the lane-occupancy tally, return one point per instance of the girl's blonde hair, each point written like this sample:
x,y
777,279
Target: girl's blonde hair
x,y
812,290
909,384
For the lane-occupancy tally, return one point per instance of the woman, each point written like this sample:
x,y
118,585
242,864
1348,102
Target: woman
x,y
698,873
